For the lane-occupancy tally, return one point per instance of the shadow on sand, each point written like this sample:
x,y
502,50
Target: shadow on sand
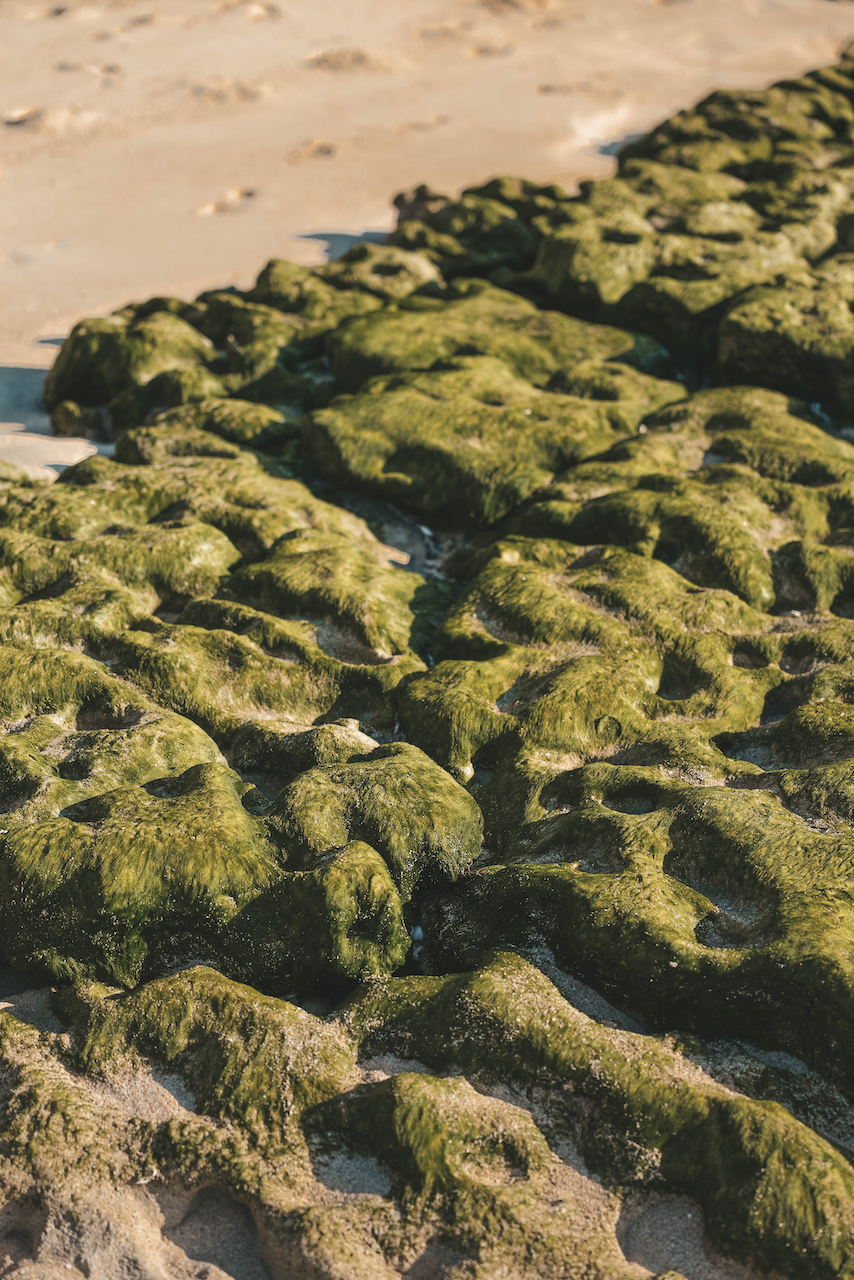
x,y
21,398
338,242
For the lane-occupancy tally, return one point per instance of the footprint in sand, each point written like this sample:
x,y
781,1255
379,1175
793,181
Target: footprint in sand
x,y
253,10
600,92
23,117
219,90
422,126
235,201
517,6
350,60
51,120
314,150
106,73
31,253
492,51
263,12
444,31
139,21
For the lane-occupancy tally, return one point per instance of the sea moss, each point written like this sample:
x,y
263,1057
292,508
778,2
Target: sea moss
x,y
592,721
366,797
478,319
714,1147
469,442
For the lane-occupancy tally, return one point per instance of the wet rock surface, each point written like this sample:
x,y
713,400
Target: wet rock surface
x,y
425,771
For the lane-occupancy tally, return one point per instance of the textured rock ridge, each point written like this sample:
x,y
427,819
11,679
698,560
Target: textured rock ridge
x,y
471,898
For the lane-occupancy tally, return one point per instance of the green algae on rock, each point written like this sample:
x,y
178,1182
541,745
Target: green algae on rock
x,y
325,807
166,353
478,319
122,855
546,835
483,1135
467,442
746,189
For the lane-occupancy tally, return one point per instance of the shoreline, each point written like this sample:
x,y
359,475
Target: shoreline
x,y
174,151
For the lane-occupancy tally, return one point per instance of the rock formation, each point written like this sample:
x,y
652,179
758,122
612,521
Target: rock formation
x,y
427,746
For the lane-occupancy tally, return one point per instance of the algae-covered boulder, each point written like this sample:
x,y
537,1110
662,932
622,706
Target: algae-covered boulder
x,y
674,286
232,493
469,441
127,840
478,319
424,824
490,1023
476,234
171,861
384,271
327,576
563,1139
299,291
128,882
746,189
151,357
359,281
799,339
238,421
100,359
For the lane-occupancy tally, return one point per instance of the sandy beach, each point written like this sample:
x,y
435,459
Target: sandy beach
x,y
171,148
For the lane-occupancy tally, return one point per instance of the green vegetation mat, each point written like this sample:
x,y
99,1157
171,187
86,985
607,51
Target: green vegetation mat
x,y
427,756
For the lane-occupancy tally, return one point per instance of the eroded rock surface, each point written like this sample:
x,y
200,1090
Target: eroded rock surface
x,y
461,899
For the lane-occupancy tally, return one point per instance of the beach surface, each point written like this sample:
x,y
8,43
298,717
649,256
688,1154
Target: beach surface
x,y
170,148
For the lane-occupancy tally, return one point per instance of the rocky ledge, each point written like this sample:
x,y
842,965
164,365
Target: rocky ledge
x,y
426,756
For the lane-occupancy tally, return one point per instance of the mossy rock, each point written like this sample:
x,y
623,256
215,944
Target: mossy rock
x,y
614,266
798,339
476,234
325,575
478,319
272,1088
239,421
234,494
164,354
228,1041
693,281
468,442
70,419
699,910
171,388
384,271
601,739
366,797
133,881
707,1144
359,281
102,358
435,1135
744,190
